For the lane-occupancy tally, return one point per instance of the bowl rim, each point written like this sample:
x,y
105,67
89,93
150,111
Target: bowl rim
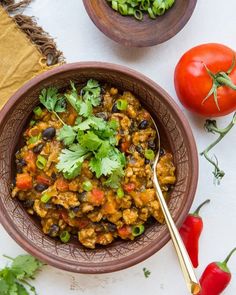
x,y
117,37
134,259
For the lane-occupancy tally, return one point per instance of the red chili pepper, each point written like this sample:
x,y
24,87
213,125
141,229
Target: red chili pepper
x,y
216,277
191,232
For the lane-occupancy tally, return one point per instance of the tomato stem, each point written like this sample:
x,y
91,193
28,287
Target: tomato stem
x,y
219,79
211,126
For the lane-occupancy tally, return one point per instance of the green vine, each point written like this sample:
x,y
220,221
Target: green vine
x,y
211,126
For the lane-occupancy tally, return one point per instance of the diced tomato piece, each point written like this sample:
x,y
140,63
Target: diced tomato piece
x,y
129,187
43,179
96,197
24,181
124,232
62,185
75,222
125,146
30,158
71,118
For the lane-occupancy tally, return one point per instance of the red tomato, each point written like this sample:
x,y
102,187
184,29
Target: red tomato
x,y
124,231
24,181
43,179
193,82
125,146
96,197
30,158
129,187
62,185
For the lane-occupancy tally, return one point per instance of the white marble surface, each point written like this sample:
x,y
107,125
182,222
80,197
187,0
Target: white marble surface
x,y
80,40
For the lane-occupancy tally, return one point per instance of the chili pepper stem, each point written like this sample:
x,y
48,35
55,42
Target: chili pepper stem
x,y
196,212
229,256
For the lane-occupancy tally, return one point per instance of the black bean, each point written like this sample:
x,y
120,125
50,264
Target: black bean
x,y
21,162
147,161
151,144
82,197
132,127
103,90
143,124
19,169
48,205
49,133
38,148
139,149
115,109
162,151
59,207
102,115
111,227
40,187
54,176
28,203
54,230
76,209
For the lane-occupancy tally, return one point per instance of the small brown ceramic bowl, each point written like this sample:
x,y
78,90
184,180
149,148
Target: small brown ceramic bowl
x,y
176,135
133,33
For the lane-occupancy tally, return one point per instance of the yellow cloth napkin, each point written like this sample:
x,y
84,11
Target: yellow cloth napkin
x,y
20,60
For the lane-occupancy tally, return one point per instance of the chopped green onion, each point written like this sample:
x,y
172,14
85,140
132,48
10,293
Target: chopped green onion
x,y
87,186
120,193
32,123
34,139
137,7
114,5
38,111
137,230
121,104
41,162
149,154
123,9
45,198
65,236
138,14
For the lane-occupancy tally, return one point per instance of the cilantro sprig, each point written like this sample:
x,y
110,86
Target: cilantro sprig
x,y
90,97
14,278
90,138
53,101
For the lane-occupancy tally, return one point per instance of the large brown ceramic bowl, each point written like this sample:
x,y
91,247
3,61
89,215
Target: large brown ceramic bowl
x,y
131,32
175,133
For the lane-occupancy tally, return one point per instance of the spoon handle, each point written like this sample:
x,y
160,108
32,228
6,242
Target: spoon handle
x,y
184,260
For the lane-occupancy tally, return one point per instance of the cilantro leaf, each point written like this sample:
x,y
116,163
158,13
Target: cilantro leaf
x,y
103,166
71,160
24,266
92,122
52,101
13,279
92,92
114,179
146,272
90,141
21,290
67,135
73,97
4,287
85,108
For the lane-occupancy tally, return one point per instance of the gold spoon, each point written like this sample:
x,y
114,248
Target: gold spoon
x,y
184,260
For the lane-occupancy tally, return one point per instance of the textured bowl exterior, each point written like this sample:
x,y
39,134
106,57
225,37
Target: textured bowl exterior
x,y
130,32
121,254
